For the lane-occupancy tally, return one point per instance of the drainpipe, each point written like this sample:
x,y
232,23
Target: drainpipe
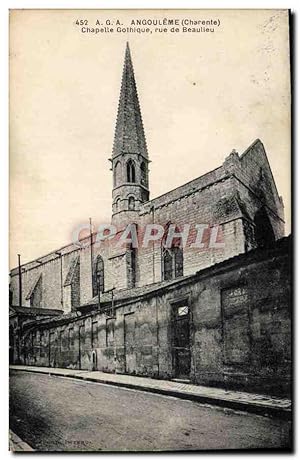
x,y
112,303
157,335
98,288
20,280
92,253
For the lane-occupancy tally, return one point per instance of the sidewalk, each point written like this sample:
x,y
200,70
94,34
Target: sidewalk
x,y
250,402
17,445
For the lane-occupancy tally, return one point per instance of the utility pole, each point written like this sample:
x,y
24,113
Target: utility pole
x,y
92,254
114,318
61,280
98,289
20,280
112,303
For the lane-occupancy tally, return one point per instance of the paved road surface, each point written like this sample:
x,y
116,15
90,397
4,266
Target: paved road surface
x,y
54,414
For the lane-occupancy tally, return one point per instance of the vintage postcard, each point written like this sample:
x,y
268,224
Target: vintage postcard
x,y
150,230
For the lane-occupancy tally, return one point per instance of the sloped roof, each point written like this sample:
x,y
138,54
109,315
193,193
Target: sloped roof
x,y
255,149
72,271
33,311
31,290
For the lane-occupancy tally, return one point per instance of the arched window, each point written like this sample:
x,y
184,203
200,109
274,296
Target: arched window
x,y
117,205
35,294
178,261
131,267
172,257
130,171
117,173
131,203
264,233
143,174
167,265
98,276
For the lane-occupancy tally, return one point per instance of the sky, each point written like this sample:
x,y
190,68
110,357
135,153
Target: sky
x,y
201,95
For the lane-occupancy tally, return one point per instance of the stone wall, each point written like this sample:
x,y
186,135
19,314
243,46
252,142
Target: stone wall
x,y
204,206
230,197
55,268
240,327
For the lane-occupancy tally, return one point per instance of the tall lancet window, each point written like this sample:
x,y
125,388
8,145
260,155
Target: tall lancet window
x,y
143,174
131,266
98,275
172,257
130,171
167,265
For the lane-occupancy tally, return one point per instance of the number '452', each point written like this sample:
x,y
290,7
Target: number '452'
x,y
81,22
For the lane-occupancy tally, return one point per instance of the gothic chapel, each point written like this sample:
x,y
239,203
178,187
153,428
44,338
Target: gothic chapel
x,y
240,197
128,302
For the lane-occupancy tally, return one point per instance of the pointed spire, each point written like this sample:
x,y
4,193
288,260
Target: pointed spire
x,y
129,131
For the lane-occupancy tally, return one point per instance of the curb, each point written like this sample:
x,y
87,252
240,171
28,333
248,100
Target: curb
x,y
281,413
16,444
259,409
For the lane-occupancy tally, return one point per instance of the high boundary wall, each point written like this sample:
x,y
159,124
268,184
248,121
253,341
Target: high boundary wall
x,y
240,328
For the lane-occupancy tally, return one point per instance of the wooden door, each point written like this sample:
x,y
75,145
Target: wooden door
x,y
181,342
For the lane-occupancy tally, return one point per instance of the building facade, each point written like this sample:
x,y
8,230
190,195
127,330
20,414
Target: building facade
x,y
239,198
228,325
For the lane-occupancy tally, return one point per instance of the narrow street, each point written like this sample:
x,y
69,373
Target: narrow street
x,y
54,414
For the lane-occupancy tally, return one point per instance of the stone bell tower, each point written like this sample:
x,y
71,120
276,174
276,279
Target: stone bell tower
x,y
130,156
